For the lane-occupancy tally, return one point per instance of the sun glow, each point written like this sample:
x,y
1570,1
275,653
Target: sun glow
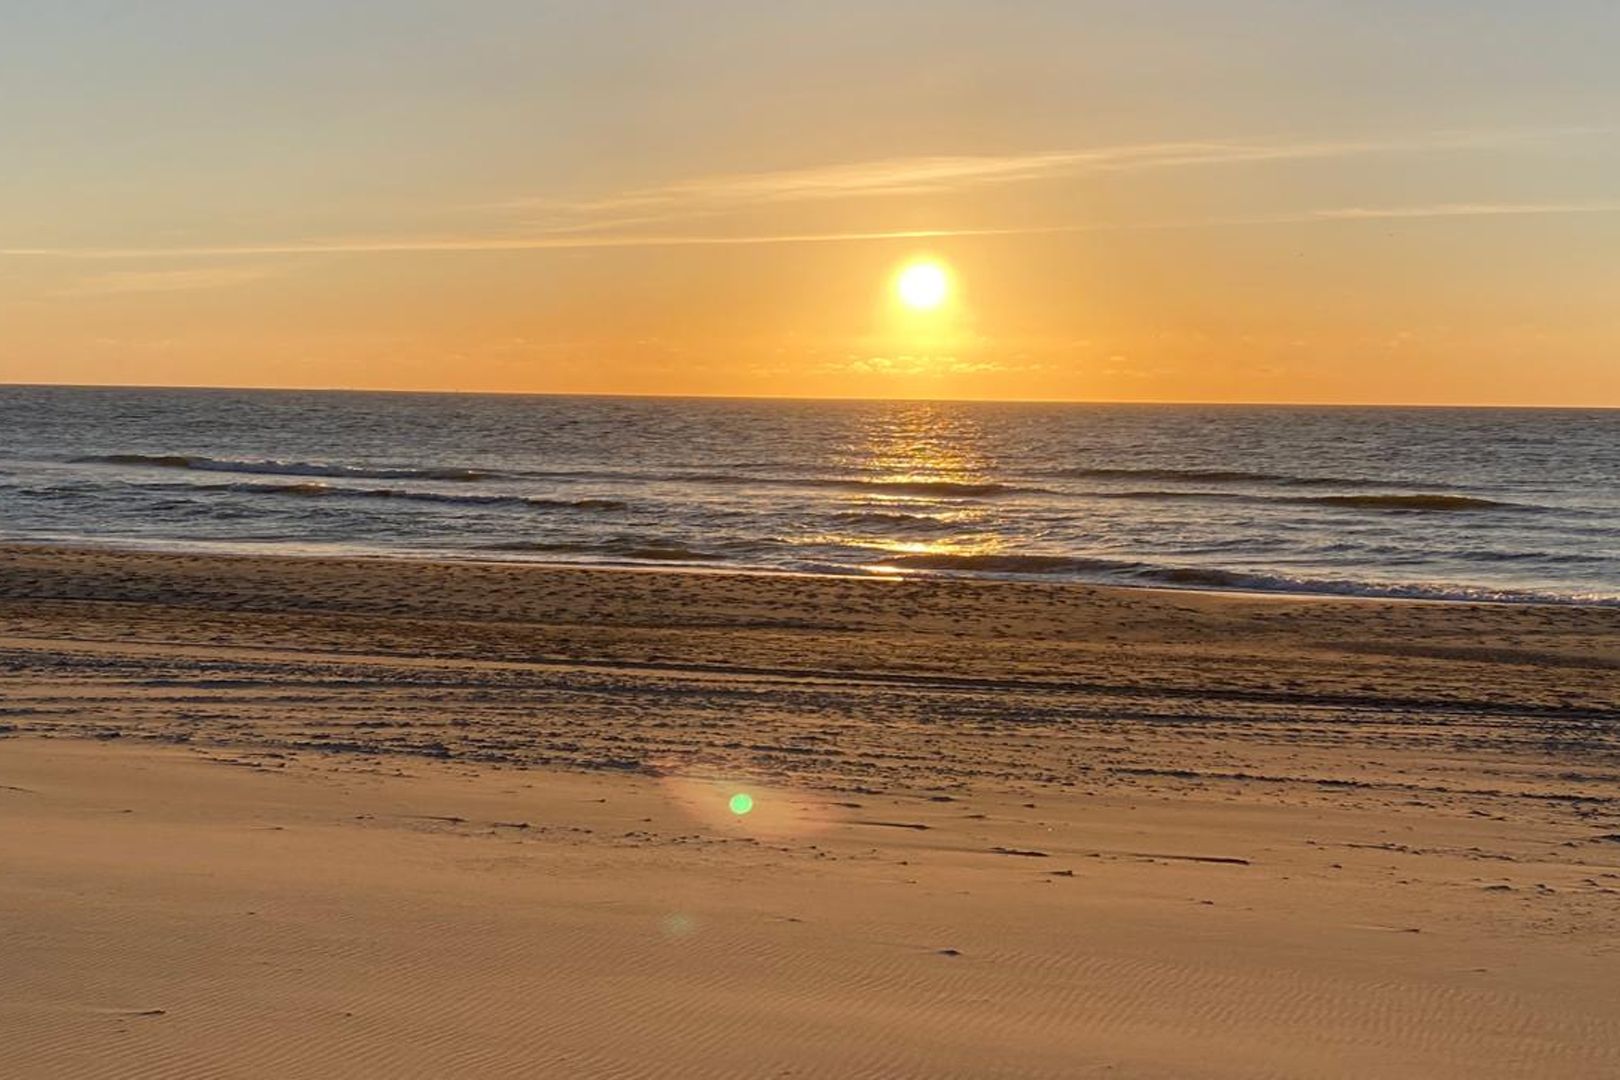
x,y
923,285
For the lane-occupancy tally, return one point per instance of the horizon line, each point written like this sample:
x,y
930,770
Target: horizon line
x,y
6,384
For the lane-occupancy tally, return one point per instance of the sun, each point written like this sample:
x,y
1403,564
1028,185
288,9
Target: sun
x,y
923,285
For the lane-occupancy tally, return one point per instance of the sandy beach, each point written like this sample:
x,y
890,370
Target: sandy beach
x,y
313,817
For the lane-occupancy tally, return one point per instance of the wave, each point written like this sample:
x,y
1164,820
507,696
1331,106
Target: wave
x,y
1563,558
965,488
1415,502
622,548
1238,476
945,488
1126,572
1204,476
285,468
990,563
949,488
1154,494
1398,502
1247,581
312,488
1208,476
929,486
884,519
315,489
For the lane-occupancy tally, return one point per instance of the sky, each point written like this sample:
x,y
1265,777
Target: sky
x,y
1360,201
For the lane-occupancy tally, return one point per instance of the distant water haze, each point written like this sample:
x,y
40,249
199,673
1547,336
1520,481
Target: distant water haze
x,y
1491,504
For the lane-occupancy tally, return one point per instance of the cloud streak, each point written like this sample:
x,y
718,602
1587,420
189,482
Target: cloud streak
x,y
945,174
923,175
156,281
577,241
627,219
1462,209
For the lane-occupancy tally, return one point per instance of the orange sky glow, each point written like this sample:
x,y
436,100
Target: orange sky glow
x,y
1305,202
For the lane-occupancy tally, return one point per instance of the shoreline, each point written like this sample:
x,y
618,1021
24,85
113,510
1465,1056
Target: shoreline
x,y
932,625
243,549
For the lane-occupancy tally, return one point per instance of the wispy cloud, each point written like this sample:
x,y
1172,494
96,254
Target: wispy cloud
x,y
150,281
545,241
165,280
941,174
1463,209
916,176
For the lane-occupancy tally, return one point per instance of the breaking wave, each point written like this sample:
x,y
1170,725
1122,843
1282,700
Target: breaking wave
x,y
1397,502
1415,502
940,486
312,489
1006,564
1216,578
964,488
200,463
971,489
621,548
1203,476
1127,572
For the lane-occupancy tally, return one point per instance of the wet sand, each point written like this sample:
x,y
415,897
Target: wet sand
x,y
307,817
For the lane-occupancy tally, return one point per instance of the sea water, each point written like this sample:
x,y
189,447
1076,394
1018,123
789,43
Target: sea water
x,y
1490,504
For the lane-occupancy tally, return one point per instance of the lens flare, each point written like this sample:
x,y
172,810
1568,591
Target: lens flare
x,y
729,802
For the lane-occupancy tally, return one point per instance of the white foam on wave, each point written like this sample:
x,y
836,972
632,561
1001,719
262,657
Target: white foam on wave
x,y
271,467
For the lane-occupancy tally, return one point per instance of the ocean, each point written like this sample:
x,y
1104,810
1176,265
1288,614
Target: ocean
x,y
1513,505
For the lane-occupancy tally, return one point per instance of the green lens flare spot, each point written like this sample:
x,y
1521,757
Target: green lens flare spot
x,y
741,803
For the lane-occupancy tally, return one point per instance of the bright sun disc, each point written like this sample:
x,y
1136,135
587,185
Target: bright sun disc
x,y
923,285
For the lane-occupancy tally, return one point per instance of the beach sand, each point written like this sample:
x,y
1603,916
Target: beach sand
x,y
311,817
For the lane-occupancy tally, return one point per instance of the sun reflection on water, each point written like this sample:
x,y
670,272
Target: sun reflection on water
x,y
928,461
912,441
